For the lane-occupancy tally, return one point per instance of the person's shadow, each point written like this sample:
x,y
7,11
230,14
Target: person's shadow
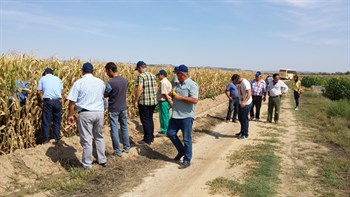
x,y
64,154
150,153
215,134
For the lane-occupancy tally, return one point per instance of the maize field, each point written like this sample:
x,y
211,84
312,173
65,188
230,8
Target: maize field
x,y
20,126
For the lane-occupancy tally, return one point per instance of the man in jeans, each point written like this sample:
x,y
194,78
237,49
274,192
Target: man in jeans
x,y
185,96
51,87
87,96
259,95
232,94
145,101
275,90
164,102
245,101
116,92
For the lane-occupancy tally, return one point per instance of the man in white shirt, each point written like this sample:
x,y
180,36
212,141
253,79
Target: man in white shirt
x,y
275,90
245,101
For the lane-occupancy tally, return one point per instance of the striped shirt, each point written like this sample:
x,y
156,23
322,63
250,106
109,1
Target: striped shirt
x,y
258,87
148,96
88,93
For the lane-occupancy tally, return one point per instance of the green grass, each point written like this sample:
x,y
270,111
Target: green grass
x,y
331,127
261,178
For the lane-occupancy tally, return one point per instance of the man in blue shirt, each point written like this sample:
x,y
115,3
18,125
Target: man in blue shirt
x,y
87,96
232,94
185,97
116,92
51,89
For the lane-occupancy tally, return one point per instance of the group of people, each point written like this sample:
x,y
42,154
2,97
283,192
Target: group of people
x,y
87,98
244,96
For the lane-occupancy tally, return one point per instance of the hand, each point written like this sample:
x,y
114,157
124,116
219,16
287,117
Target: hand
x,y
136,106
243,104
176,97
171,103
71,120
230,98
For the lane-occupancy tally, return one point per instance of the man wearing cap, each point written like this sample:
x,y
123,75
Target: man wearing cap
x,y
50,88
276,89
245,100
86,96
164,102
185,97
145,101
175,79
258,95
116,89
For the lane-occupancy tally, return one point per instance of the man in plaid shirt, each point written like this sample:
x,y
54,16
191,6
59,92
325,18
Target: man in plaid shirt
x,y
259,95
146,101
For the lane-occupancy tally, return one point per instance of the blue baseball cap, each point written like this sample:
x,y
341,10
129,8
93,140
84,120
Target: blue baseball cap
x,y
175,69
139,64
162,72
48,70
181,68
258,73
88,67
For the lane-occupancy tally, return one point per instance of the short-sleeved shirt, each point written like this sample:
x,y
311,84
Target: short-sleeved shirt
x,y
116,89
182,110
164,88
277,89
258,87
22,95
88,93
148,96
233,90
296,85
242,89
51,86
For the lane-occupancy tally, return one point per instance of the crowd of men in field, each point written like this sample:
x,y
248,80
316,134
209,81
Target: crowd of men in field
x,y
87,96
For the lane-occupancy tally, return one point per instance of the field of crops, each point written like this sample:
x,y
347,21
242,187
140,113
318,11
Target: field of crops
x,y
20,127
337,87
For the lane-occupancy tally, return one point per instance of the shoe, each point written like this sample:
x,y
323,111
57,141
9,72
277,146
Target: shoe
x,y
238,134
276,121
235,121
251,118
243,137
227,121
142,142
160,134
178,157
185,164
257,120
296,109
119,154
125,150
103,164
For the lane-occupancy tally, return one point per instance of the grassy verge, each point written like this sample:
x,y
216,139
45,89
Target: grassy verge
x,y
331,126
261,179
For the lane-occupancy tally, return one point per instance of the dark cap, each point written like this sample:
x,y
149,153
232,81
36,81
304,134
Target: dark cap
x,y
139,64
181,68
48,70
162,72
175,69
257,73
88,67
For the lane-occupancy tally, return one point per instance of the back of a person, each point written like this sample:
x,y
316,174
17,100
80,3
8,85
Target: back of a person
x,y
233,90
117,96
149,93
51,85
91,92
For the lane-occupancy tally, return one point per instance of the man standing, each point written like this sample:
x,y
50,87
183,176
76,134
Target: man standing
x,y
185,96
87,96
116,92
145,101
275,91
245,101
164,102
259,95
232,94
51,89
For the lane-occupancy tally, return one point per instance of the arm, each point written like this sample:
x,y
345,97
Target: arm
x,y
227,92
249,94
138,91
38,96
71,107
285,88
168,98
188,100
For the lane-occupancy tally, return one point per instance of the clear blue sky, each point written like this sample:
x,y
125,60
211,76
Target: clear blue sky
x,y
307,35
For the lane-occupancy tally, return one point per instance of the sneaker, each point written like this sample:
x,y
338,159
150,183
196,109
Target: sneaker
x,y
243,137
235,121
125,150
251,118
178,157
296,109
142,142
103,164
184,164
238,134
160,134
119,154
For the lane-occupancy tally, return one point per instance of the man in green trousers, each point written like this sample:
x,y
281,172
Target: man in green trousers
x,y
164,102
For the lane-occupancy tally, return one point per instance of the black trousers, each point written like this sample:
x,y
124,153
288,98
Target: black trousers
x,y
257,100
146,117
